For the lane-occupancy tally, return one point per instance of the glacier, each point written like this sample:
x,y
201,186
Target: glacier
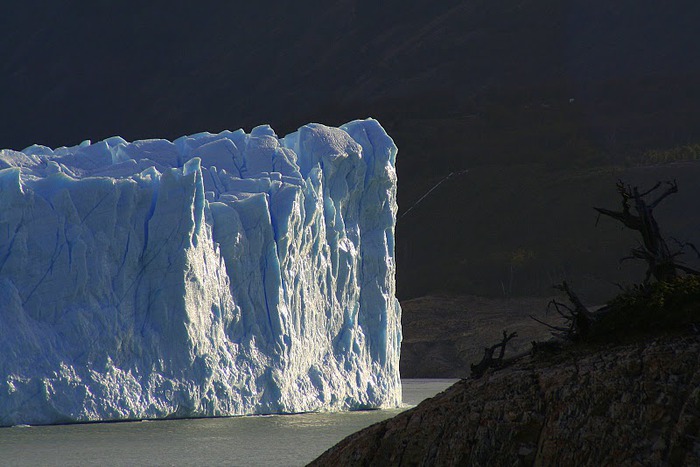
x,y
214,275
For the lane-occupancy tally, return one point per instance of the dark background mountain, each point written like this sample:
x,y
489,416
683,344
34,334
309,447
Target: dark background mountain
x,y
545,102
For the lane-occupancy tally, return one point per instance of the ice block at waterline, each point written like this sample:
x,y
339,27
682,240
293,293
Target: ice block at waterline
x,y
218,274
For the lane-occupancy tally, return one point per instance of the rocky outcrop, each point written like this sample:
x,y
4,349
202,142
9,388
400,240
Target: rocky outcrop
x,y
632,404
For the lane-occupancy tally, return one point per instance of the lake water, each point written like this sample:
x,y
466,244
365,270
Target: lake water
x,y
259,440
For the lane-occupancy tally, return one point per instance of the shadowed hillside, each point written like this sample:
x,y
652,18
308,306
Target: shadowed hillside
x,y
539,99
524,228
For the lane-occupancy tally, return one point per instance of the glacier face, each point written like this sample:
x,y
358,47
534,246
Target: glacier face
x,y
218,274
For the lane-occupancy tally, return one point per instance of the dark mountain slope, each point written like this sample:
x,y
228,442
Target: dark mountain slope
x,y
565,85
133,63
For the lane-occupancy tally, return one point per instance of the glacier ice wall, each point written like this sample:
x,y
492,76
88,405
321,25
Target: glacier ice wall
x,y
217,274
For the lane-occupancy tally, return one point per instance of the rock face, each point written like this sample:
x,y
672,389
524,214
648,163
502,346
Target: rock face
x,y
635,404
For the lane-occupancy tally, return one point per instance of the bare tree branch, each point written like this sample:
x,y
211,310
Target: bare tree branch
x,y
673,188
653,249
478,370
658,184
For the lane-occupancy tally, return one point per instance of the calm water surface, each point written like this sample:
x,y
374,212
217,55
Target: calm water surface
x,y
260,440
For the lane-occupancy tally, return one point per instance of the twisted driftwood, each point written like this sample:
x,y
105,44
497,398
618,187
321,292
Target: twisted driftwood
x,y
578,318
488,361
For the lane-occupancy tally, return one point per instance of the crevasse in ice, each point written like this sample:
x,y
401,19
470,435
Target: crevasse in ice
x,y
217,274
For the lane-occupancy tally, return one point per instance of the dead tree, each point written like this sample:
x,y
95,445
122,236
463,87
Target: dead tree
x,y
478,370
577,318
654,250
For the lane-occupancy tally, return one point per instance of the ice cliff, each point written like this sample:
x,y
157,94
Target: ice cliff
x,y
217,274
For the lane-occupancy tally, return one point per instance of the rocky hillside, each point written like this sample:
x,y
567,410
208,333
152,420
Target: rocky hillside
x,y
633,404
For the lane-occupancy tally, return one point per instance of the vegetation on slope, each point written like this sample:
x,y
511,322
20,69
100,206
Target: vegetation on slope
x,y
667,300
